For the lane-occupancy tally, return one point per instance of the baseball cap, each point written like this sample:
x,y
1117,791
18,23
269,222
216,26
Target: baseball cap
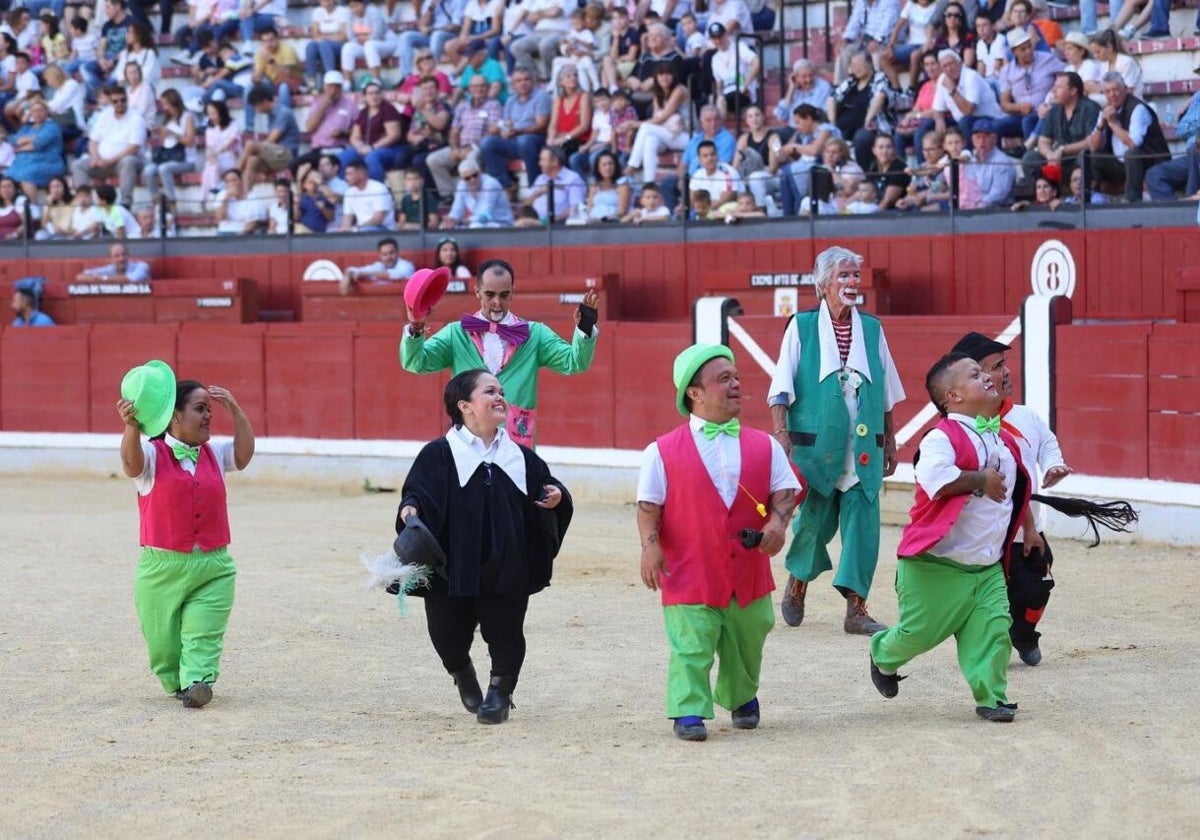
x,y
476,45
983,125
333,77
716,29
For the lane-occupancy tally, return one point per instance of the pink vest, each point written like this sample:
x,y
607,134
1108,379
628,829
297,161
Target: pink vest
x,y
705,559
931,519
185,511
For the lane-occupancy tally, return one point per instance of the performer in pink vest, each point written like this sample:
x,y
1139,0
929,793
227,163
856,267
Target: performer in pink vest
x,y
972,497
714,500
185,579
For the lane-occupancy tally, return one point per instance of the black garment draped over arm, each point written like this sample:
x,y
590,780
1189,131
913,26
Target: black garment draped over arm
x,y
496,540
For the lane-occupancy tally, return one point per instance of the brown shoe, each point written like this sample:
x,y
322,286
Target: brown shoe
x,y
792,605
857,621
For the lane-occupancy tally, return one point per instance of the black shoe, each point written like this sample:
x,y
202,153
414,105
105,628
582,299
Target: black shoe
x,y
197,694
468,687
494,708
1003,713
746,716
690,728
1031,656
887,684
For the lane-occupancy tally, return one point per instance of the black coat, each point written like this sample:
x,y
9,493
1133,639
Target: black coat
x,y
496,540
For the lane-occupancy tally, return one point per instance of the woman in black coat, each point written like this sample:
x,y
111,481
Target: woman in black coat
x,y
499,517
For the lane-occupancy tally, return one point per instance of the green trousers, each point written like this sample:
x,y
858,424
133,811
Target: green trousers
x,y
939,599
183,603
819,518
733,635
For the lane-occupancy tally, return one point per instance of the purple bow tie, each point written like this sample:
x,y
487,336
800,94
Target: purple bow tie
x,y
515,334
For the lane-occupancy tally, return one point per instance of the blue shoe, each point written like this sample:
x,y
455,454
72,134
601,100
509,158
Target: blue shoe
x,y
690,728
746,716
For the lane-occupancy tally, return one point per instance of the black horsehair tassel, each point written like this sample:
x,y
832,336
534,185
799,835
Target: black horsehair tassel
x,y
1115,516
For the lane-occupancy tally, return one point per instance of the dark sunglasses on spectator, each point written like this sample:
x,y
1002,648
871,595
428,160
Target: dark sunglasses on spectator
x,y
471,177
953,15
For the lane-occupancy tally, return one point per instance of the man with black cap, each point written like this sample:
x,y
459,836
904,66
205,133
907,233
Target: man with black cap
x,y
735,69
1030,561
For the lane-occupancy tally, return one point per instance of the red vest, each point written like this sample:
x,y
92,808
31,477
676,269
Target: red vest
x,y
184,511
705,560
931,519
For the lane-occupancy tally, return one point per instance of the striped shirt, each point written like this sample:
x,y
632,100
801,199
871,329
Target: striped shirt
x,y
841,331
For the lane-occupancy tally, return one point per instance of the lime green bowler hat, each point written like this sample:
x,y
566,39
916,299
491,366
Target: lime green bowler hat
x,y
690,361
151,389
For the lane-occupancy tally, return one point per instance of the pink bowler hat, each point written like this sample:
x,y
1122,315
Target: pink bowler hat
x,y
425,288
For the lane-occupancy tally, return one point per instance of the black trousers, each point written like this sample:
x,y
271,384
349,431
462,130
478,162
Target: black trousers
x,y
501,622
1029,585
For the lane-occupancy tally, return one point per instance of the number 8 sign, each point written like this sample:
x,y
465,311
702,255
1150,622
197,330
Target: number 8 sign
x,y
1053,269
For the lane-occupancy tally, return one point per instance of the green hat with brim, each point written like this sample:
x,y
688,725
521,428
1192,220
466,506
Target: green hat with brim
x,y
690,361
151,389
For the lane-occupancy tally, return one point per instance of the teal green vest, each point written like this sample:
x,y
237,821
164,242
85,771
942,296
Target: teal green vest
x,y
818,419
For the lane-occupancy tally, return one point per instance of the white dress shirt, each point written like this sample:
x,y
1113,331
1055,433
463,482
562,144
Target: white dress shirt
x,y
1039,450
722,458
977,537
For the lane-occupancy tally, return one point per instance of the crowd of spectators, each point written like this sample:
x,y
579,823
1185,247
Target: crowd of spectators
x,y
486,113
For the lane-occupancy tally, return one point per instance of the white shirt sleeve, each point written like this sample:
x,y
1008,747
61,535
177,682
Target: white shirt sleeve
x,y
652,477
783,381
782,477
935,468
893,390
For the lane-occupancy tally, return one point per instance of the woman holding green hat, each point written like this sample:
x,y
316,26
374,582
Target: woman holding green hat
x,y
185,579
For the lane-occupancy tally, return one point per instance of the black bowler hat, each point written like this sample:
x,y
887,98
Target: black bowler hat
x,y
416,544
978,346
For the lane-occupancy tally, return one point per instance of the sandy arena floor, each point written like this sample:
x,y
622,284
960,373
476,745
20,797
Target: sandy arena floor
x,y
333,718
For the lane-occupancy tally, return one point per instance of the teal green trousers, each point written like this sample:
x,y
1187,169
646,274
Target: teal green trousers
x,y
939,599
183,603
732,635
819,518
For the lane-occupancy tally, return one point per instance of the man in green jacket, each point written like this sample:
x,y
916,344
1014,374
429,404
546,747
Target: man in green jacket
x,y
512,349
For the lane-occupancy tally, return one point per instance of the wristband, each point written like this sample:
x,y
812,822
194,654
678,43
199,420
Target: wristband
x,y
588,315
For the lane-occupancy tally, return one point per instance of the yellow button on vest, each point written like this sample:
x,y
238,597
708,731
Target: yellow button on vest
x,y
861,430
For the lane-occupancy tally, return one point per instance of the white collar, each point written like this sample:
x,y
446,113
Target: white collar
x,y
469,452
831,359
171,441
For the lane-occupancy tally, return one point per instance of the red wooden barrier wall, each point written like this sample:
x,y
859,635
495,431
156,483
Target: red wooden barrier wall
x,y
1128,395
1126,273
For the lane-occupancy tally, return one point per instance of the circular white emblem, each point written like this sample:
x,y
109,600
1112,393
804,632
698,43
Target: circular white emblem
x,y
322,270
1053,270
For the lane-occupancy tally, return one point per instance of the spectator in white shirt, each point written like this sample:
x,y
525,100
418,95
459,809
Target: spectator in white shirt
x,y
962,95
238,214
115,147
721,180
389,268
735,69
367,206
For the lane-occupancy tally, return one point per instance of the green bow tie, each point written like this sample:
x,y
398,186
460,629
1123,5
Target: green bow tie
x,y
733,428
183,452
983,424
